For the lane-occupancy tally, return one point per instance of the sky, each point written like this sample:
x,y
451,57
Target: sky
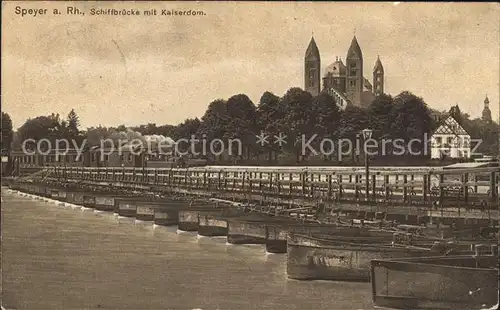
x,y
136,70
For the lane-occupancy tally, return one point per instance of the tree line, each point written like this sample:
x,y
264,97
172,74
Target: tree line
x,y
405,116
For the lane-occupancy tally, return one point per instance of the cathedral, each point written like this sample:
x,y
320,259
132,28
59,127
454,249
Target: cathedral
x,y
345,82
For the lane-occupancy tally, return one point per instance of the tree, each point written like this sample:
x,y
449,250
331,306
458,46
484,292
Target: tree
x,y
242,123
354,120
327,122
150,129
300,119
411,118
7,133
380,116
457,114
489,137
165,130
215,121
95,135
73,123
484,134
121,128
186,130
327,115
42,127
270,114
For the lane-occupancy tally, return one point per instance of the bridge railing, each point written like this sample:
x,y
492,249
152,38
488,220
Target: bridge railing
x,y
475,185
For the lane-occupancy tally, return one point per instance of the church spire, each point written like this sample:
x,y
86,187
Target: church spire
x,y
312,69
378,65
354,51
312,51
378,77
486,110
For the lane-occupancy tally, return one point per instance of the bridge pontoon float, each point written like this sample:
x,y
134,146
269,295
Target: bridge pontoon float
x,y
345,257
449,282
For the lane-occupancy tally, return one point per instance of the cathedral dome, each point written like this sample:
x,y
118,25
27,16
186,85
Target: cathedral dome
x,y
336,69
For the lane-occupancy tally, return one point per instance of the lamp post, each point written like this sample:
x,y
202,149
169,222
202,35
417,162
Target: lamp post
x,y
367,134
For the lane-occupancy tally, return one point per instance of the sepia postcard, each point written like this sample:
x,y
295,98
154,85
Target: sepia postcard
x,y
250,155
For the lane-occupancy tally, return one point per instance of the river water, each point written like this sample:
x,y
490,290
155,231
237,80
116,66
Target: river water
x,y
56,257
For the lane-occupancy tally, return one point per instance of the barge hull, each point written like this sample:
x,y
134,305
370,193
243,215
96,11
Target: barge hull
x,y
245,239
276,246
341,260
210,225
166,217
127,213
449,282
187,226
212,231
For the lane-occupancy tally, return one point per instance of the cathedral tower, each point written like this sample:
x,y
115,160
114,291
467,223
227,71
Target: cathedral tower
x,y
486,110
355,79
312,67
378,78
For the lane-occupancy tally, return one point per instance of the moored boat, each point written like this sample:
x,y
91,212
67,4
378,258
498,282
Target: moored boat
x,y
251,228
276,234
127,208
189,217
445,282
75,198
214,223
246,231
40,191
276,239
88,200
146,210
211,225
62,195
166,216
469,233
105,203
54,193
188,220
343,257
126,205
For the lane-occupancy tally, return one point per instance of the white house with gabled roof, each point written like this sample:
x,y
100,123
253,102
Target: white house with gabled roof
x,y
450,140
